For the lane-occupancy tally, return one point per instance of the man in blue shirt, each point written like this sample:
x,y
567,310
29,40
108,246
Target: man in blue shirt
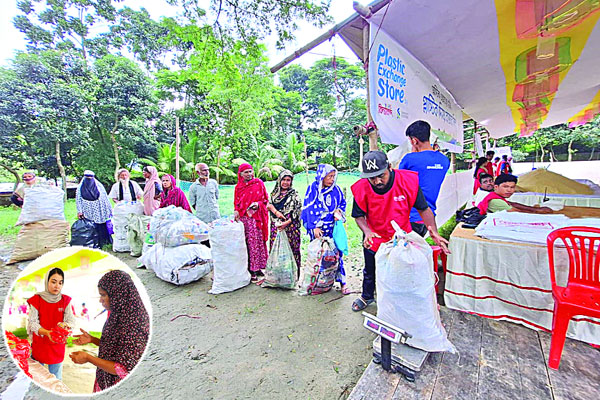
x,y
429,164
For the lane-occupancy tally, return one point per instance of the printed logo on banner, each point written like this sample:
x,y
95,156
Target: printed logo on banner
x,y
402,91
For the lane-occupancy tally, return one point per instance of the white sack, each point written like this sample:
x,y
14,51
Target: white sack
x,y
230,257
42,202
406,291
178,265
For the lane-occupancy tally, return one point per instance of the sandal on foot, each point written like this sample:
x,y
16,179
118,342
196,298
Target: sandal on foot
x,y
360,304
346,291
253,278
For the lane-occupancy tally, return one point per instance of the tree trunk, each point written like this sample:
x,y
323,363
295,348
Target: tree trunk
x,y
113,138
543,152
61,170
592,154
333,154
219,161
570,151
15,173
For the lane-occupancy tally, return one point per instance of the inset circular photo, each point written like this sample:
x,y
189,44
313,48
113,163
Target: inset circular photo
x,y
77,321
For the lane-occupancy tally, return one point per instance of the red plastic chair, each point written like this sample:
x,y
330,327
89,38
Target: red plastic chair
x,y
581,296
438,253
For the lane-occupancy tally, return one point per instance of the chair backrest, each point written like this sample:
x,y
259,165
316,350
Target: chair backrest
x,y
583,247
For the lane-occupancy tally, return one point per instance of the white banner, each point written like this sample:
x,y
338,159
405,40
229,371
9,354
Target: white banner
x,y
403,91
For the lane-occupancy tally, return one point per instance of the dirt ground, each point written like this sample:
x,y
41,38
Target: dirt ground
x,y
251,343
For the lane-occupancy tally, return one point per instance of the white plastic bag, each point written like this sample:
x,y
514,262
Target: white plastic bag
x,y
406,290
120,223
42,202
230,257
173,226
320,267
180,265
281,270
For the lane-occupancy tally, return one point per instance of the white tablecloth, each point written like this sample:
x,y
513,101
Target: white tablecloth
x,y
579,200
508,281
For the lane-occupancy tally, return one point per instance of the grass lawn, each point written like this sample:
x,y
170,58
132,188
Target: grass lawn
x,y
9,215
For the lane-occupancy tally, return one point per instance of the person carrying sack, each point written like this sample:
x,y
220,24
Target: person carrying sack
x,y
381,196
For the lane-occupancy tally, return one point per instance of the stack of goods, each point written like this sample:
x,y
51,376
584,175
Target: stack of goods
x,y
406,297
544,181
43,223
230,256
320,267
20,350
281,270
120,223
177,255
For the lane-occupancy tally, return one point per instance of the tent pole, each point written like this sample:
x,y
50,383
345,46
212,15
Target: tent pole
x,y
373,133
177,142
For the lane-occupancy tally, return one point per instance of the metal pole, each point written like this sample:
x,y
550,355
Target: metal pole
x,y
386,354
177,142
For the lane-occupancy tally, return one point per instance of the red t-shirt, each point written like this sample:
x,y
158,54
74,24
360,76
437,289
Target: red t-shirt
x,y
395,204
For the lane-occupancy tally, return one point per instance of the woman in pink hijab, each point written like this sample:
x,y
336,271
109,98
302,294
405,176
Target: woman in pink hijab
x,y
152,190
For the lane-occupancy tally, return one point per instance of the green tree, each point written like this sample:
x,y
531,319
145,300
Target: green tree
x,y
42,108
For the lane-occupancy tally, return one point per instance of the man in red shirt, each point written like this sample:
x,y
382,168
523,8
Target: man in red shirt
x,y
490,165
386,194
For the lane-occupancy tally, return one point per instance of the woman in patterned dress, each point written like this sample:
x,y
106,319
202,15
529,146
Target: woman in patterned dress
x,y
324,204
124,335
93,204
284,206
250,207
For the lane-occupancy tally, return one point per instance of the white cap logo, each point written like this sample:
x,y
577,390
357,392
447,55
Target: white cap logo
x,y
371,165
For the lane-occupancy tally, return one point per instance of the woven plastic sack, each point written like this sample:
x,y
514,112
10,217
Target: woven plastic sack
x,y
42,202
120,223
39,238
405,284
320,267
83,233
136,233
281,270
230,256
180,265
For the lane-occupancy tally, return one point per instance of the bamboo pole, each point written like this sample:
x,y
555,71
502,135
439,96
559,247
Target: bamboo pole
x,y
177,143
373,133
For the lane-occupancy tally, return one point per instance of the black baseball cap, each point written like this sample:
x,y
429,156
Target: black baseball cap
x,y
374,163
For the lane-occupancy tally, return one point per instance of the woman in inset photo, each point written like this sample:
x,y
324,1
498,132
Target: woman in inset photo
x,y
47,310
124,335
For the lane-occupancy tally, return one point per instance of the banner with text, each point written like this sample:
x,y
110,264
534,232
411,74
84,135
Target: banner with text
x,y
402,91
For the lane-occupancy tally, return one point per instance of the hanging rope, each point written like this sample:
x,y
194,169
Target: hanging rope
x,y
378,28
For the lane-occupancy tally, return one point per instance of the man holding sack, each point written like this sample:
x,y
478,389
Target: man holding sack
x,y
385,194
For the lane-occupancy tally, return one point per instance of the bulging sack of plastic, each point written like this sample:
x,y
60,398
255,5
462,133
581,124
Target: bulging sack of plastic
x,y
320,267
281,270
38,238
230,257
42,202
406,291
120,223
136,233
179,266
83,233
173,226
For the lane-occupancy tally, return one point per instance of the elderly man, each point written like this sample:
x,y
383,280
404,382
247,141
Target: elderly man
x,y
29,181
204,195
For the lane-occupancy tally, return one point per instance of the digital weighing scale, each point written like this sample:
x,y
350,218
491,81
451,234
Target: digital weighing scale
x,y
390,348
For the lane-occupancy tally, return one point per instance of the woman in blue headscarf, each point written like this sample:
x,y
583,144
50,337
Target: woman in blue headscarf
x,y
324,203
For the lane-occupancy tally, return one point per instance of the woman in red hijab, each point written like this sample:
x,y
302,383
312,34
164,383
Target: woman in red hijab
x,y
250,204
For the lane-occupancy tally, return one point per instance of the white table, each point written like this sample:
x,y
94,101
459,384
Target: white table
x,y
508,281
579,200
